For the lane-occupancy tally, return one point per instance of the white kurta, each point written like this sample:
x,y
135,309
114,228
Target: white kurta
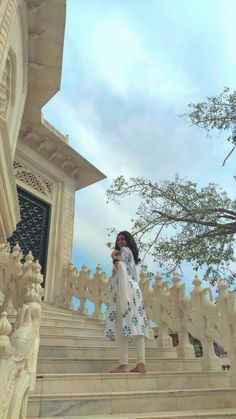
x,y
125,291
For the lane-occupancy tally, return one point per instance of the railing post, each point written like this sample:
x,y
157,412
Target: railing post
x,y
20,284
226,305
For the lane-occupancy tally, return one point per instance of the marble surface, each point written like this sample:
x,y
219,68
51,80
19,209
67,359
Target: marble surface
x,y
79,365
203,414
94,351
74,380
84,383
127,402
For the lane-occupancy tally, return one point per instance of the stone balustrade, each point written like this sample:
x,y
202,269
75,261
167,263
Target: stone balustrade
x,y
169,307
20,299
82,287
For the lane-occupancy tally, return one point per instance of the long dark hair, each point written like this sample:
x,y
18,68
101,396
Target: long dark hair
x,y
131,244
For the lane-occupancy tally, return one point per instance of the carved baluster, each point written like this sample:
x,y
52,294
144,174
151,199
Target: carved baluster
x,y
226,304
20,283
8,369
144,283
37,277
185,348
147,293
82,287
5,330
69,287
4,262
97,298
13,269
27,266
4,254
161,295
104,287
202,310
25,278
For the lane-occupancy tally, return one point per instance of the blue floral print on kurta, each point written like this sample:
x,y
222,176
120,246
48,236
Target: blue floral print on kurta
x,y
127,330
134,317
110,334
135,320
140,310
112,316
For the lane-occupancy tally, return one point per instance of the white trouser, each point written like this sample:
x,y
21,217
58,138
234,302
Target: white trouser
x,y
122,342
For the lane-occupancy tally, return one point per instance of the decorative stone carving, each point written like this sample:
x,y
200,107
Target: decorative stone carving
x,y
7,10
69,200
35,181
84,288
5,89
20,285
97,291
173,311
197,322
5,330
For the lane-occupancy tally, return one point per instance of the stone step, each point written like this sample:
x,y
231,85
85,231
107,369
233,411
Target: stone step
x,y
72,320
58,331
84,383
97,339
65,319
81,341
69,315
129,402
77,330
70,329
52,339
70,323
196,414
51,347
62,365
50,308
67,327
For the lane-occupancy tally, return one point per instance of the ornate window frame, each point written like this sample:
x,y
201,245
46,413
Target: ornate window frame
x,y
33,181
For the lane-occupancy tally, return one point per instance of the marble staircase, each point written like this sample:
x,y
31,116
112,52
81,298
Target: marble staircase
x,y
73,379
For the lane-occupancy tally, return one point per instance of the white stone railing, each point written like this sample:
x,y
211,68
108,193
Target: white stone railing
x,y
172,310
84,288
20,298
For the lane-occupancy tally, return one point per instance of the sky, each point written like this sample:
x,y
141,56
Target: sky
x,y
130,68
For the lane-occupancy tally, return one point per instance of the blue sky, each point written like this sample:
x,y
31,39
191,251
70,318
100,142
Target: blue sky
x,y
129,69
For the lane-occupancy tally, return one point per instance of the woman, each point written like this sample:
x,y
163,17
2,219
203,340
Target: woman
x,y
126,317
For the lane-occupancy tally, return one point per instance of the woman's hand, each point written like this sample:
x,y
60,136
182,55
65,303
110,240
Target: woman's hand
x,y
115,257
115,254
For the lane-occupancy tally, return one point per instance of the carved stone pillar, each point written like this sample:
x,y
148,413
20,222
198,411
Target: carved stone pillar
x,y
184,349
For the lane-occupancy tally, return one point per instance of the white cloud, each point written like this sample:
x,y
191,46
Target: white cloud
x,y
93,217
119,104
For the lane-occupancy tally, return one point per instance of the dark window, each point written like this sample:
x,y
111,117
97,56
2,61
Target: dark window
x,y
33,230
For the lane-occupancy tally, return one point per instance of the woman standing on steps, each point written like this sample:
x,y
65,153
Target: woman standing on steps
x,y
126,317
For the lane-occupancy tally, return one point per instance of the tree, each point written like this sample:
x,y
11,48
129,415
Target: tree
x,y
177,222
217,112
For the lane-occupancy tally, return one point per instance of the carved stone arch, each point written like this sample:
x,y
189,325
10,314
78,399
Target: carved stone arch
x,y
8,85
5,88
13,71
23,18
19,74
